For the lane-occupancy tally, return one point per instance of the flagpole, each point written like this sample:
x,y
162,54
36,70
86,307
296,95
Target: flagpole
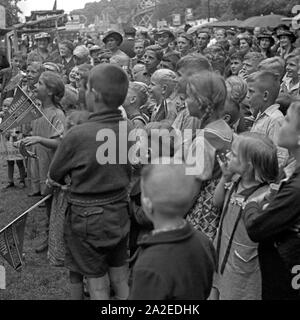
x,y
27,211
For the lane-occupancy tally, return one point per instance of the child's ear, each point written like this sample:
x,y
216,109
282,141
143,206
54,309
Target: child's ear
x,y
299,140
133,99
227,118
266,95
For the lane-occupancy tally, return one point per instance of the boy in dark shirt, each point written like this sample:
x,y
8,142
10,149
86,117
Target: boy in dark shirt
x,y
175,261
97,221
277,226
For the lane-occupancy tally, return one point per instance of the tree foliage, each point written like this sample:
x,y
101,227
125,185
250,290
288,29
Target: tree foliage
x,y
221,9
12,11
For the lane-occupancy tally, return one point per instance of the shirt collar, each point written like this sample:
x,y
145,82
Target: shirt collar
x,y
269,111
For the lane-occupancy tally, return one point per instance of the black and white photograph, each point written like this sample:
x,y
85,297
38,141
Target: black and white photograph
x,y
149,151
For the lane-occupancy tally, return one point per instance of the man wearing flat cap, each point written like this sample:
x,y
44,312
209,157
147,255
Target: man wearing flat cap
x,y
163,38
113,40
42,54
127,45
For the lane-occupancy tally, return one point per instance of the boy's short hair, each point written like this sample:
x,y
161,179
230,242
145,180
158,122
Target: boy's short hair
x,y
256,57
174,201
197,61
293,56
268,81
111,82
141,90
275,65
172,57
157,49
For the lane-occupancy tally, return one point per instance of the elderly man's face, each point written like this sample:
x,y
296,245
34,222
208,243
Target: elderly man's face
x,y
202,40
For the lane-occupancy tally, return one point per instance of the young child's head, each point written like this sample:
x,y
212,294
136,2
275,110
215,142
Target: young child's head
x,y
289,134
163,84
138,72
206,95
292,65
51,86
152,57
275,65
108,85
162,202
236,62
191,64
137,95
251,62
6,104
255,156
263,90
139,48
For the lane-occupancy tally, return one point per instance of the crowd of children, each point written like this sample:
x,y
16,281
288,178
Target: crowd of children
x,y
207,206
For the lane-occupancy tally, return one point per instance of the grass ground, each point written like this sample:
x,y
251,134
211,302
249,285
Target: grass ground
x,y
37,280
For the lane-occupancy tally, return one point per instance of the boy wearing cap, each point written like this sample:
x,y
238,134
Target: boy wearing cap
x,y
97,221
175,262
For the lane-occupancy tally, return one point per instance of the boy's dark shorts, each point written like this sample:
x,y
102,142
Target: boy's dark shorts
x,y
96,238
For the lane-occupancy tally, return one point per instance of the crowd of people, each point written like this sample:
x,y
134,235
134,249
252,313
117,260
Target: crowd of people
x,y
212,214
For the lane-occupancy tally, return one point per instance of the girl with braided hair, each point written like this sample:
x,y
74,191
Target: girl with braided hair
x,y
206,96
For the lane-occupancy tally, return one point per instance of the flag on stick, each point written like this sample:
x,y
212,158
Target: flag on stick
x,y
12,239
22,110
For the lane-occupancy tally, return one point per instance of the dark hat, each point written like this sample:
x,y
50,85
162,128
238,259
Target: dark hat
x,y
113,34
129,30
167,31
284,26
287,33
266,35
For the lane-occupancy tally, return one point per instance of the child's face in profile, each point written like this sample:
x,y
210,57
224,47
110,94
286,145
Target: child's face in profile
x,y
289,134
235,162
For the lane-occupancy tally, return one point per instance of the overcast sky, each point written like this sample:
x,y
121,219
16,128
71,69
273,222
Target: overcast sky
x,y
68,5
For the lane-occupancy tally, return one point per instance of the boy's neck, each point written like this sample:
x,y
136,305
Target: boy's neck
x,y
161,224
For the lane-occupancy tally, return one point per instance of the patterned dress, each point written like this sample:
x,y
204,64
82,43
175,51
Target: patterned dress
x,y
215,139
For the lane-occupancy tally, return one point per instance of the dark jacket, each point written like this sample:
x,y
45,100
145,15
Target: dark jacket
x,y
279,220
174,265
79,156
127,46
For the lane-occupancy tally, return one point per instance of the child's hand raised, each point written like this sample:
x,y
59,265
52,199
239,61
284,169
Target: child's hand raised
x,y
226,172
